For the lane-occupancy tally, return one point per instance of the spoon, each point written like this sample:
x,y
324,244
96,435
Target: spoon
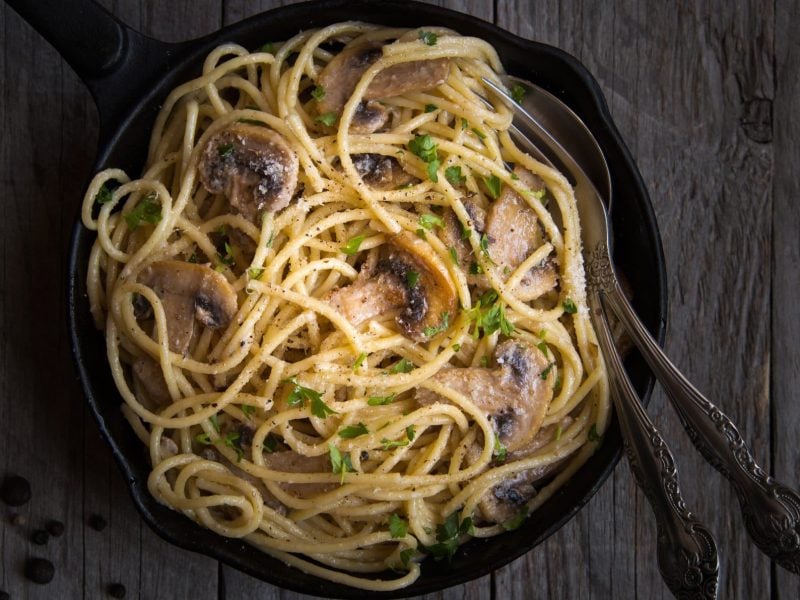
x,y
687,551
771,510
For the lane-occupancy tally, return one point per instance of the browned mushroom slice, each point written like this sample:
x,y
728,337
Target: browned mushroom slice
x,y
253,166
340,76
381,172
411,282
514,395
292,462
505,500
452,234
514,234
190,292
149,374
369,117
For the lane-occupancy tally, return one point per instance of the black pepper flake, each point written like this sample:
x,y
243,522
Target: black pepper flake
x,y
39,570
40,537
116,590
55,528
97,522
15,491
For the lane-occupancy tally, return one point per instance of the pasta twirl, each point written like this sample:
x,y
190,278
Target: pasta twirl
x,y
346,314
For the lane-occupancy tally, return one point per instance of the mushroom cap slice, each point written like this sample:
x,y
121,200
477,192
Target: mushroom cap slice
x,y
419,309
291,462
513,395
369,117
381,172
190,292
341,75
253,166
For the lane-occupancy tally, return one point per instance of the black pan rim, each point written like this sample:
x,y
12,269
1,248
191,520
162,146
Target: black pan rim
x,y
227,551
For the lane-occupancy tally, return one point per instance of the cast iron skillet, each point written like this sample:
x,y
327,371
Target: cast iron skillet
x,y
129,75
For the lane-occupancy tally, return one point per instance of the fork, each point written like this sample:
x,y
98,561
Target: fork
x,y
771,510
687,551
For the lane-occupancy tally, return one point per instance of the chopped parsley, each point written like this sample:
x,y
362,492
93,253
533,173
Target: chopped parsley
x,y
464,123
547,369
248,410
429,221
479,133
270,443
475,269
353,244
484,246
454,176
328,118
268,47
433,171
340,462
424,147
515,521
412,278
489,314
453,255
389,444
255,272
214,422
231,440
406,556
493,184
542,346
431,108
104,195
431,331
359,361
353,431
518,93
428,37
500,451
593,436
380,400
558,432
203,438
410,433
514,176
227,258
225,150
456,347
148,210
569,306
398,527
421,233
403,366
447,535
318,93
300,394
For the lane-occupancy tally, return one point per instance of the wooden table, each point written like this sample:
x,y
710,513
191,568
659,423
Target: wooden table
x,y
706,96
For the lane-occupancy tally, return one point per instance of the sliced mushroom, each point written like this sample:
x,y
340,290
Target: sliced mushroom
x,y
381,172
253,166
369,117
149,374
292,462
452,234
340,77
505,500
514,234
514,395
422,308
190,292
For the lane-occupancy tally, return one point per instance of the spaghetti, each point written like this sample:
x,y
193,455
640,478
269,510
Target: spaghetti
x,y
346,314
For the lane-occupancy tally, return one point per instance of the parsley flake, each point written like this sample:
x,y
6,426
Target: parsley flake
x,y
410,433
569,306
412,278
500,451
493,186
389,444
148,210
359,361
431,331
104,195
340,462
403,366
454,176
353,431
380,400
428,37
593,436
353,244
547,369
518,93
429,221
328,119
398,527
318,93
515,521
447,535
453,255
225,150
431,108
255,272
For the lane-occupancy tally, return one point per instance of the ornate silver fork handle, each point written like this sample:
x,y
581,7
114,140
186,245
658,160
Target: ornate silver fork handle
x,y
686,550
770,509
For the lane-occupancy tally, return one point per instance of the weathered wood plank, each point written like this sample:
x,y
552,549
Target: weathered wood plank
x,y
785,356
42,416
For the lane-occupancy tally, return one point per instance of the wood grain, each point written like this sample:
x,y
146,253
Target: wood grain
x,y
706,95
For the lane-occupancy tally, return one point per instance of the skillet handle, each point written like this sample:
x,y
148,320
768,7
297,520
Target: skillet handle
x,y
105,53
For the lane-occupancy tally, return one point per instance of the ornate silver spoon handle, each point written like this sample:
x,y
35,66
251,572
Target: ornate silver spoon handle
x,y
771,510
687,552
